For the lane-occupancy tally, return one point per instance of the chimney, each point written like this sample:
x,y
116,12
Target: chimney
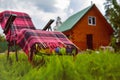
x,y
91,2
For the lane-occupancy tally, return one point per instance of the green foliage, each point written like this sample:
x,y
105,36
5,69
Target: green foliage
x,y
91,65
112,8
3,46
2,38
12,70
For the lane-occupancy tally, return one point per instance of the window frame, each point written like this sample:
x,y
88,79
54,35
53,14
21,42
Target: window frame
x,y
92,20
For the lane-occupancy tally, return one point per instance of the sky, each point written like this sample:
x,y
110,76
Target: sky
x,y
41,11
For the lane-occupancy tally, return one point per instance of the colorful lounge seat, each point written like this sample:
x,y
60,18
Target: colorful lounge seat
x,y
22,32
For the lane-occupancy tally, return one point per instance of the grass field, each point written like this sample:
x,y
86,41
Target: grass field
x,y
88,65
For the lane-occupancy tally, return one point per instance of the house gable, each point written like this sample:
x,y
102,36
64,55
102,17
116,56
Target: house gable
x,y
101,23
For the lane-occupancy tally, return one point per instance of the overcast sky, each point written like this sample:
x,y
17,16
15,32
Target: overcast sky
x,y
41,11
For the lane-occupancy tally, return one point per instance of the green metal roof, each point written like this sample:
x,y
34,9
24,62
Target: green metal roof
x,y
72,20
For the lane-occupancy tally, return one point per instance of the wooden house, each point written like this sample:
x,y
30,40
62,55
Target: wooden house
x,y
88,29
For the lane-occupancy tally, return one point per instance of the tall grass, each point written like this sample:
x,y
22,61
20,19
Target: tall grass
x,y
85,66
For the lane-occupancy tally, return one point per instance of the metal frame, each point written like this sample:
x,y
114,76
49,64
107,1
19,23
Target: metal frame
x,y
9,26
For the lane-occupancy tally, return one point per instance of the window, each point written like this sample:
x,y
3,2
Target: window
x,y
91,20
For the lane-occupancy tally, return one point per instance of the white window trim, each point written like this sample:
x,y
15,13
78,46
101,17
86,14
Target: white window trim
x,y
92,21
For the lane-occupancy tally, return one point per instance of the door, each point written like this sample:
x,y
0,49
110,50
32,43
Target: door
x,y
89,41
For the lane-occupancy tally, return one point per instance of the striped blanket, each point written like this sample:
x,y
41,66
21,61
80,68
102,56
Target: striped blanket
x,y
48,39
22,21
27,36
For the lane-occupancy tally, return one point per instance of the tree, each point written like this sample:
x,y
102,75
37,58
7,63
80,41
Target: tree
x,y
112,13
107,7
115,18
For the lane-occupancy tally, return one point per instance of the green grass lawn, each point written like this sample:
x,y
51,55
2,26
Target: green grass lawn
x,y
102,65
